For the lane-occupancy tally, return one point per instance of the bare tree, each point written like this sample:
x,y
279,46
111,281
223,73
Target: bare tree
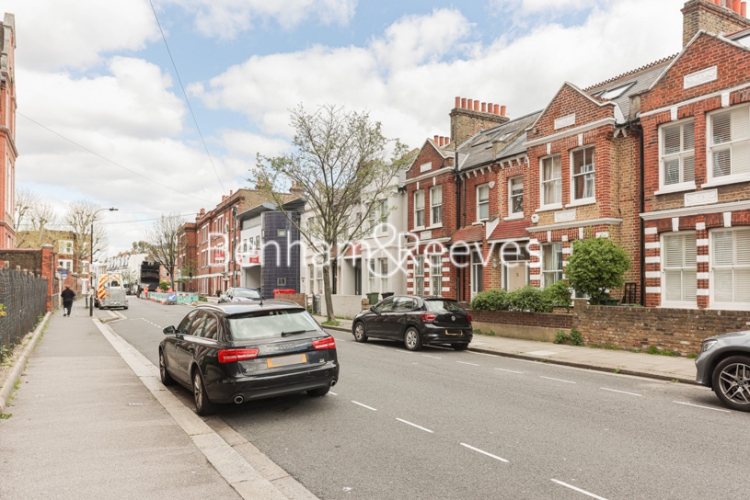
x,y
341,159
26,200
41,216
162,239
79,218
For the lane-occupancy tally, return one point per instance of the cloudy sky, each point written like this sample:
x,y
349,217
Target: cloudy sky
x,y
99,75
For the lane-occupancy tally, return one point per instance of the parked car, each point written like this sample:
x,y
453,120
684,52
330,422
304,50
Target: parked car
x,y
415,321
240,295
724,365
237,352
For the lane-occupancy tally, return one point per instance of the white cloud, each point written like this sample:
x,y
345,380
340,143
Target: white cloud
x,y
408,77
227,18
77,39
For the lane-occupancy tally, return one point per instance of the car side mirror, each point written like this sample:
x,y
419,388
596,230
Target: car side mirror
x,y
170,330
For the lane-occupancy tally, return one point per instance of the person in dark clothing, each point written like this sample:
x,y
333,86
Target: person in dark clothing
x,y
68,295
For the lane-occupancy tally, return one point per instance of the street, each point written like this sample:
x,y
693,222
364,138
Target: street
x,y
446,424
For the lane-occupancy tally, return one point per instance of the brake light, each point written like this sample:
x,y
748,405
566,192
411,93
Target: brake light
x,y
232,355
326,343
428,317
468,316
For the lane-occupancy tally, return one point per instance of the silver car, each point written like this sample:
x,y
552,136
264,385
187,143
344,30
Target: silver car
x,y
724,366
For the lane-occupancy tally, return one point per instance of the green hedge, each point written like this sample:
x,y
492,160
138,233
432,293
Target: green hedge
x,y
528,299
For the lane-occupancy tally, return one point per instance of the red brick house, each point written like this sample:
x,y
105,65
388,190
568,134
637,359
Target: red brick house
x,y
696,127
8,151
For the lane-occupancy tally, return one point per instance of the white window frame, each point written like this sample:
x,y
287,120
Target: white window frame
x,y
436,275
477,277
733,144
573,175
682,155
418,194
682,303
419,275
511,196
552,272
557,180
371,275
384,216
734,267
436,209
481,203
383,275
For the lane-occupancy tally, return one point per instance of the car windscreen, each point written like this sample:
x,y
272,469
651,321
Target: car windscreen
x,y
247,294
443,305
269,324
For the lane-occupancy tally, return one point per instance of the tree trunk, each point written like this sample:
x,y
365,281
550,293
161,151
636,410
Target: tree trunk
x,y
327,290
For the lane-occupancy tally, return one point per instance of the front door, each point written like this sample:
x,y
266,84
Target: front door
x,y
517,273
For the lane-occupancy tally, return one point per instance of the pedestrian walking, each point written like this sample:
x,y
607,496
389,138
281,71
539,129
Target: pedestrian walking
x,y
68,295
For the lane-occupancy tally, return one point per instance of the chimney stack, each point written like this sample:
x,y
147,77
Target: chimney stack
x,y
470,117
713,16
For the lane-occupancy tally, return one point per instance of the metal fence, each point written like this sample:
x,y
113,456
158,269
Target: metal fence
x,y
24,300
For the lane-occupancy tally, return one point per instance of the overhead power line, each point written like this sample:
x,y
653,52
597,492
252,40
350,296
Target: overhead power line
x,y
108,160
186,96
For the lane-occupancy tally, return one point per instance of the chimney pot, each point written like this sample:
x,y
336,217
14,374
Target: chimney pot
x,y
436,139
743,9
463,103
458,102
442,141
484,107
736,6
502,110
497,109
489,107
476,105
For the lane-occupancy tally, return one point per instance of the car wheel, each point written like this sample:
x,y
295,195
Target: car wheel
x,y
460,347
412,340
731,382
166,378
316,393
359,332
202,405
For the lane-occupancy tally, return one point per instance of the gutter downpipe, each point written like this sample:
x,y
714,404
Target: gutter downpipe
x,y
635,126
457,178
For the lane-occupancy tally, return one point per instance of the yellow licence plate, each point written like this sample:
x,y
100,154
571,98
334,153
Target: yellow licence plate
x,y
454,333
286,360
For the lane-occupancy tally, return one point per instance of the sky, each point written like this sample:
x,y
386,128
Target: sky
x,y
102,115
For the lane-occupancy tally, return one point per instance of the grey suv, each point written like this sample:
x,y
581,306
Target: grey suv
x,y
724,366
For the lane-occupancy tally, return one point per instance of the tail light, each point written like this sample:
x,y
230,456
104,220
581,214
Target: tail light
x,y
468,316
326,343
428,317
232,355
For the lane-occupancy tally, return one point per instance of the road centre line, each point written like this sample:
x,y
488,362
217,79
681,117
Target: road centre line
x,y
504,370
558,380
620,392
484,452
431,357
704,407
579,490
465,363
364,406
415,425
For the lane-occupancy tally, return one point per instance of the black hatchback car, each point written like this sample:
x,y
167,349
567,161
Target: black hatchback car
x,y
234,353
415,321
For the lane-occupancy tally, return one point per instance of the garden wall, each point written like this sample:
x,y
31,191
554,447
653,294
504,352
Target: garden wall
x,y
531,326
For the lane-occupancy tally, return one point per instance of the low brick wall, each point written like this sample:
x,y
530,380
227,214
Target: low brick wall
x,y
679,330
298,298
520,325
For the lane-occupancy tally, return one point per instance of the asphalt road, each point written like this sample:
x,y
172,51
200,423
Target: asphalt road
x,y
460,425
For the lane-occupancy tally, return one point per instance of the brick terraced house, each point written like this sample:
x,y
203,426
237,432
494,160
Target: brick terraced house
x,y
8,151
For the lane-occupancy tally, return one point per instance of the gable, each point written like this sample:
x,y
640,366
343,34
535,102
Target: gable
x,y
708,64
570,108
429,159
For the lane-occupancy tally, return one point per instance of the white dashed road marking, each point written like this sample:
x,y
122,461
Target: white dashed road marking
x,y
504,370
704,407
465,363
579,490
415,425
431,357
364,406
557,380
620,392
484,453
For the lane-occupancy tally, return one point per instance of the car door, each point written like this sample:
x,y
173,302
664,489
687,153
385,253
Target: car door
x,y
186,345
394,320
170,346
375,326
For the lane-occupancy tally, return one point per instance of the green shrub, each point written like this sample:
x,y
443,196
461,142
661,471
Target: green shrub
x,y
559,294
164,286
595,266
561,337
491,300
530,299
575,337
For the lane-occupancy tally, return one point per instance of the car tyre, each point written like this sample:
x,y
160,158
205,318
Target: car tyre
x,y
202,404
412,340
359,332
317,393
166,378
460,347
731,382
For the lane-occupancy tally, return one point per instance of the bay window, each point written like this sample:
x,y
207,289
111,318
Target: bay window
x,y
419,275
552,268
730,265
729,143
436,275
679,269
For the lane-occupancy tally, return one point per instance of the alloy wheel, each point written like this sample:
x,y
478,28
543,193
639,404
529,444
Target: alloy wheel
x,y
359,332
198,391
412,339
734,383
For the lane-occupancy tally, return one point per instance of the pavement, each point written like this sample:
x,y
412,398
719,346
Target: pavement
x,y
90,419
615,361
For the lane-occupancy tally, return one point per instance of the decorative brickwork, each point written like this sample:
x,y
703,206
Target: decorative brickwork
x,y
706,15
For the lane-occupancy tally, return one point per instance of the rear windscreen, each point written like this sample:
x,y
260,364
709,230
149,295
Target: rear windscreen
x,y
267,324
247,294
443,305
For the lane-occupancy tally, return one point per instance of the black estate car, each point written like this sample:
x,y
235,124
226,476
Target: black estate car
x,y
724,366
415,321
236,352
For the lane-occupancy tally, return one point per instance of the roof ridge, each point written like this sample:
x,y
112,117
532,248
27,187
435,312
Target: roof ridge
x,y
632,72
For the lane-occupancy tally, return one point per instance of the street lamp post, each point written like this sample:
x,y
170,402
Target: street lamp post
x,y
91,264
